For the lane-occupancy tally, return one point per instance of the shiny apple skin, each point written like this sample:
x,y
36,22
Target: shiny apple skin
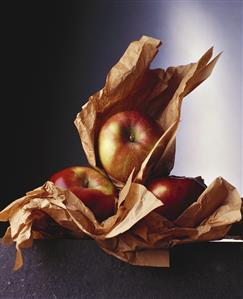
x,y
124,141
176,193
91,187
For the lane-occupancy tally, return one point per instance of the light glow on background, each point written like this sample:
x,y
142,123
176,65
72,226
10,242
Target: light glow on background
x,y
209,140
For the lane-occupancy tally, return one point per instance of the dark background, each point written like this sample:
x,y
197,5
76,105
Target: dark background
x,y
56,54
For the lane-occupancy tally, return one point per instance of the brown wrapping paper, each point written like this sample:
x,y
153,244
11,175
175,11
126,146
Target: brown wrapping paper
x,y
131,85
236,231
135,234
134,202
210,218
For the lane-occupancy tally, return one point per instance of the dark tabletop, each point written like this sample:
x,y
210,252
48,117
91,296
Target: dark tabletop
x,y
79,269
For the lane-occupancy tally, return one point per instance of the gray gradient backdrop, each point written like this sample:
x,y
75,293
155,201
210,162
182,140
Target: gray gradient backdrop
x,y
210,135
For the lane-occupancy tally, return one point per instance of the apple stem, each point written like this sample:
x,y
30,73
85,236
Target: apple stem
x,y
132,138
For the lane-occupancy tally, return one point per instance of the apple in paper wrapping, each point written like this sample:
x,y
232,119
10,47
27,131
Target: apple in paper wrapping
x,y
124,141
91,187
176,193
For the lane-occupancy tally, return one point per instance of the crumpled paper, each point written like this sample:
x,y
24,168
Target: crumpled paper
x,y
131,85
135,233
28,221
147,243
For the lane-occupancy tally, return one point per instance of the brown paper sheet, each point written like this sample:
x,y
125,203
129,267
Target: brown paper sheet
x,y
135,233
147,243
131,85
135,202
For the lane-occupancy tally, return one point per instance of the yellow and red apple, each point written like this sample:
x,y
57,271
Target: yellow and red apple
x,y
176,193
91,187
124,141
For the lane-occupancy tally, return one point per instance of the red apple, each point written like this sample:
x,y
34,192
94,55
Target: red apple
x,y
91,187
124,141
176,193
